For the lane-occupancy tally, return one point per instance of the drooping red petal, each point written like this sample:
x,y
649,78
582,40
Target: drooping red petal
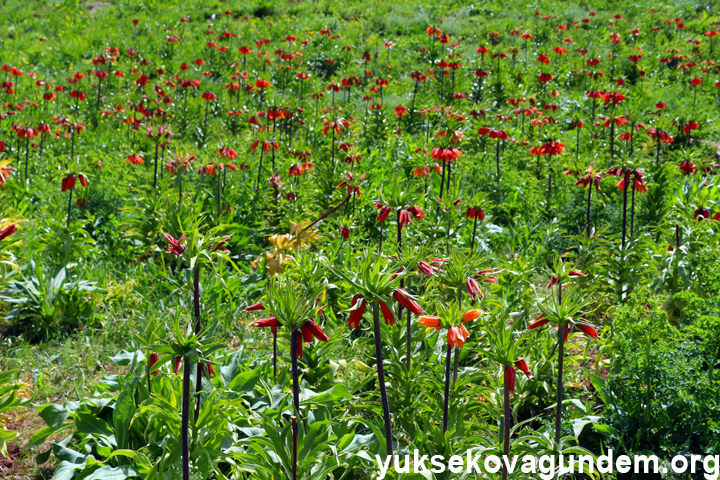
x,y
387,314
510,377
539,322
178,364
523,367
587,330
268,322
315,330
399,296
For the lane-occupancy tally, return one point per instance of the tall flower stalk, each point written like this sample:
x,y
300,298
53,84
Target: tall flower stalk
x,y
375,285
403,204
564,312
294,304
590,179
505,348
450,317
68,185
628,174
196,251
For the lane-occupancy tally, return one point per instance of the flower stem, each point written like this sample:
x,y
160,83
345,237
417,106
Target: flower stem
x,y
327,213
27,154
624,223
294,357
186,420
506,437
446,407
156,166
381,379
275,353
408,336
294,438
561,355
632,214
257,185
472,242
588,208
198,326
69,207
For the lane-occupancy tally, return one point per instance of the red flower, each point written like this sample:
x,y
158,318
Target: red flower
x,y
426,269
227,153
68,183
7,231
417,212
457,336
175,247
690,126
412,305
152,361
510,377
384,212
210,370
701,213
295,171
311,330
255,306
387,314
445,154
662,135
545,77
404,218
475,212
271,322
587,330
178,364
345,232
539,322
523,367
688,167
356,315
552,282
473,288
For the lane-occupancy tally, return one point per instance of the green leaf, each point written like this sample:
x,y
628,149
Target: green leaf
x,y
87,423
66,470
44,433
53,415
113,473
605,429
245,381
67,455
337,393
124,358
6,436
124,411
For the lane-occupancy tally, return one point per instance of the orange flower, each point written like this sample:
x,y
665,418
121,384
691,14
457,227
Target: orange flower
x,y
422,171
430,321
471,315
456,336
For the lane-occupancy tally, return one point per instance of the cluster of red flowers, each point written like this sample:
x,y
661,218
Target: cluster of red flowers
x,y
68,183
404,216
549,148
